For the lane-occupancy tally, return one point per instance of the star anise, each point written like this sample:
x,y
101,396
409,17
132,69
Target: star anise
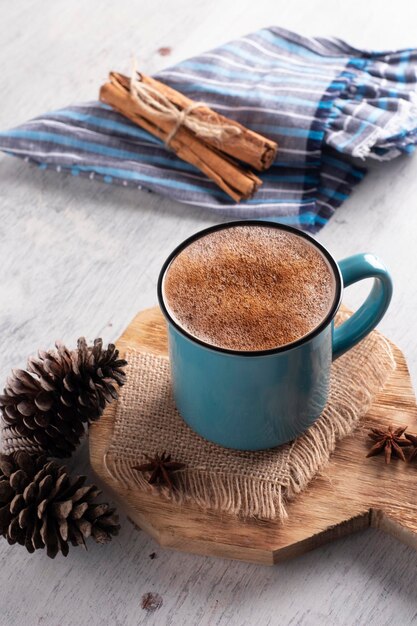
x,y
412,439
160,468
388,441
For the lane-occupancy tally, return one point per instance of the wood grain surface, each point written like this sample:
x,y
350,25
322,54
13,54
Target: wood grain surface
x,y
81,258
352,493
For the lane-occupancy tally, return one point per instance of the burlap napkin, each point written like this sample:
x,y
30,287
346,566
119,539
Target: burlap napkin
x,y
256,484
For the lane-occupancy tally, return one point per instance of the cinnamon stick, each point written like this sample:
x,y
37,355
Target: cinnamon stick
x,y
248,146
237,182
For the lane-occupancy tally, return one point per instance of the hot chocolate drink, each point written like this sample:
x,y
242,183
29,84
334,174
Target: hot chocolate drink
x,y
249,287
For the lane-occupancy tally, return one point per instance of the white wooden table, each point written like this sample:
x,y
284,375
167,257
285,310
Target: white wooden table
x,y
79,257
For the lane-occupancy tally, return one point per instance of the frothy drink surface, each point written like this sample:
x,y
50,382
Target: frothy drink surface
x,y
249,288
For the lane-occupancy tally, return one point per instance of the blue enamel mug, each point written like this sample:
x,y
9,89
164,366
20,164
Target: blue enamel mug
x,y
258,400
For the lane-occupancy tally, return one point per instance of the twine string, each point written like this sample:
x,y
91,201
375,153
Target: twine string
x,y
158,105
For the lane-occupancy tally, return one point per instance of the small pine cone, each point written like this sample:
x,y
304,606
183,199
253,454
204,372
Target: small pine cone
x,y
41,506
45,408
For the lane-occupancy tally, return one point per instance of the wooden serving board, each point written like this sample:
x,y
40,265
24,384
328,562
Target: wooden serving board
x,y
352,492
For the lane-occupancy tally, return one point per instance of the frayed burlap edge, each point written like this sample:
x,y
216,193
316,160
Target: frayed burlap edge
x,y
234,495
312,450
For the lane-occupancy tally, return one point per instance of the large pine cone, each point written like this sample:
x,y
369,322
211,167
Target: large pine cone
x,y
44,409
42,507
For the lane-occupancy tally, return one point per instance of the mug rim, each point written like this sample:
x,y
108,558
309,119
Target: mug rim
x,y
230,224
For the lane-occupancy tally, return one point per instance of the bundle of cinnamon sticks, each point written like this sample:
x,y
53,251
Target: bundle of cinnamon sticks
x,y
198,135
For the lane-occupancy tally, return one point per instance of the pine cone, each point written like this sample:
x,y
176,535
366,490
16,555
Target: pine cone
x,y
44,409
41,506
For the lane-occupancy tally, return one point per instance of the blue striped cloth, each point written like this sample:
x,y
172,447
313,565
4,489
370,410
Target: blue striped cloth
x,y
321,99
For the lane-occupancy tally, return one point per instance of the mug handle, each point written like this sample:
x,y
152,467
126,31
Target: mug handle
x,y
364,320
